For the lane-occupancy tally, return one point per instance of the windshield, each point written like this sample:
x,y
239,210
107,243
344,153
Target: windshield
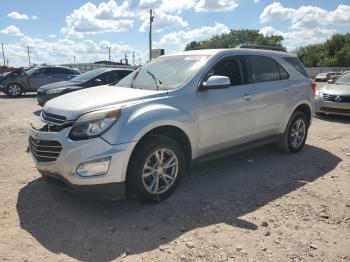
x,y
164,73
343,80
87,75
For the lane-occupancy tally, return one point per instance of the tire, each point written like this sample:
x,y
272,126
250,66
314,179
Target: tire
x,y
14,90
140,178
294,137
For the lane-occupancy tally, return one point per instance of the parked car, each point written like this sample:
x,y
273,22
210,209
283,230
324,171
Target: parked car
x,y
96,77
322,77
142,135
333,77
20,81
334,98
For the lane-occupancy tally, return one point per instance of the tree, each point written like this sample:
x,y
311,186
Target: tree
x,y
235,38
335,52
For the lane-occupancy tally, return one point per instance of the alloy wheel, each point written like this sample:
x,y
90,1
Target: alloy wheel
x,y
14,90
298,133
160,171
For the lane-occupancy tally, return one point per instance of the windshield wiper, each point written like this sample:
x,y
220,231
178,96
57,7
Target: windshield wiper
x,y
132,83
156,80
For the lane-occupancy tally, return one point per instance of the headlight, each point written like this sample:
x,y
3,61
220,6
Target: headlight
x,y
318,94
94,124
56,90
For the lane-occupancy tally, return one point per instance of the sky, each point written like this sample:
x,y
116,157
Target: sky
x,y
58,31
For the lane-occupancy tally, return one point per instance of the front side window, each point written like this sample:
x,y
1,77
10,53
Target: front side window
x,y
165,72
264,69
233,68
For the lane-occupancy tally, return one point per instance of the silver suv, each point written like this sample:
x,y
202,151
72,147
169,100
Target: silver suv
x,y
141,136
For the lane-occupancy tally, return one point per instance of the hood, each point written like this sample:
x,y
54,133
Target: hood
x,y
74,104
58,84
336,89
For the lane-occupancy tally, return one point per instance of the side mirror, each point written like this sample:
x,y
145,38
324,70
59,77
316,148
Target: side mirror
x,y
330,81
216,82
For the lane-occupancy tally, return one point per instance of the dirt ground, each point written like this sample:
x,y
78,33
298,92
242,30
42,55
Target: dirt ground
x,y
260,205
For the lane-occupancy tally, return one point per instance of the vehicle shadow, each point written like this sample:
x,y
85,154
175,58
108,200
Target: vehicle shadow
x,y
37,112
27,95
335,118
219,191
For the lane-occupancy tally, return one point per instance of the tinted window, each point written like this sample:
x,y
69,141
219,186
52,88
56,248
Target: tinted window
x,y
233,68
283,73
59,71
264,69
295,62
118,75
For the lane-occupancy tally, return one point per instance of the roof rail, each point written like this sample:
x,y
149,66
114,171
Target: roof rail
x,y
264,47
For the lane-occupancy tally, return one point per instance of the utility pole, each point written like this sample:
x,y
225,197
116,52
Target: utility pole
x,y
109,53
28,51
151,17
126,59
133,58
3,53
73,60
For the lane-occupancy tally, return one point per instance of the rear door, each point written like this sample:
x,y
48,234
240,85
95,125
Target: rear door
x,y
271,93
39,78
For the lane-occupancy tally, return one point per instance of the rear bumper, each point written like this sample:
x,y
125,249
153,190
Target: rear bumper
x,y
107,191
332,107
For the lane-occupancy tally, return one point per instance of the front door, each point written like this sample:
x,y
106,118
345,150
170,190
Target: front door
x,y
226,116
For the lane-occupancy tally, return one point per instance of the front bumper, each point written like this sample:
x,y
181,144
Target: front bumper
x,y
332,107
74,153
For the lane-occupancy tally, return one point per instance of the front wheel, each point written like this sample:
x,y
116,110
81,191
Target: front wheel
x,y
156,169
14,90
294,138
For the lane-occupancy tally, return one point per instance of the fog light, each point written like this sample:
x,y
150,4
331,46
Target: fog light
x,y
95,167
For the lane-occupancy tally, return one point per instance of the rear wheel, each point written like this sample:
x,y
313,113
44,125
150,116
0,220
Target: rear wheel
x,y
156,169
294,138
14,90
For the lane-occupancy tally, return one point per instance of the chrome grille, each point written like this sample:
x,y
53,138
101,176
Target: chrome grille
x,y
44,150
332,98
53,119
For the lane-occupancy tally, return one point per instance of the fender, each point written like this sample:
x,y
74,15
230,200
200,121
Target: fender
x,y
291,111
136,122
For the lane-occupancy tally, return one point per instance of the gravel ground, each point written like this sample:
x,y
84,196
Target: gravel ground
x,y
260,205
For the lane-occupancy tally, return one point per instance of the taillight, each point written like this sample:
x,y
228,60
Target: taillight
x,y
313,86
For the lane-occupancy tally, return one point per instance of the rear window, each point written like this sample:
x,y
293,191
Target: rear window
x,y
295,62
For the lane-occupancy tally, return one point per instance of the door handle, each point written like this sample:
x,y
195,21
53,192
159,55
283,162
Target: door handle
x,y
248,96
286,88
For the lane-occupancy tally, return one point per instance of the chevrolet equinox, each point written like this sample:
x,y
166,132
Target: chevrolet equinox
x,y
141,136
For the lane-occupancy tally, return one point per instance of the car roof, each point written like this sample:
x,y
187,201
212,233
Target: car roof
x,y
212,52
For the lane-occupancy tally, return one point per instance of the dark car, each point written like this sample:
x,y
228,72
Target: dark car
x,y
20,81
96,77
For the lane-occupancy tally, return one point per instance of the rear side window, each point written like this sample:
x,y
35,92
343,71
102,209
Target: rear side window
x,y
264,69
295,62
283,73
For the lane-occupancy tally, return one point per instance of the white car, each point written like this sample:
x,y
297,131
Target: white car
x,y
142,135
